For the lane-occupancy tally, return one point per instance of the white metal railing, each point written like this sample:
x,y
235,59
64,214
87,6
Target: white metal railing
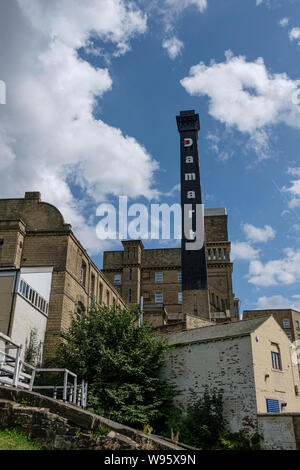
x,y
17,373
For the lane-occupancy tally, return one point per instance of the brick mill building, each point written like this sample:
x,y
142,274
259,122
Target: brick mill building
x,y
155,275
46,276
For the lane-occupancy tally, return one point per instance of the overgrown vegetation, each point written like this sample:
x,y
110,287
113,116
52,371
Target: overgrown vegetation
x,y
203,425
14,440
120,361
33,349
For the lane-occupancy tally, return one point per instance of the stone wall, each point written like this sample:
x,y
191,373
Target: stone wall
x,y
58,425
280,431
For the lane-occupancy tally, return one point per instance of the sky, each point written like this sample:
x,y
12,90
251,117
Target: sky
x,y
92,93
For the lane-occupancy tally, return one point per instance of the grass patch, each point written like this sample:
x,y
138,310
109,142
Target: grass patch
x,y
14,440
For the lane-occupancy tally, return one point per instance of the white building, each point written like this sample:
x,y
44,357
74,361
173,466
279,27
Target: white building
x,y
24,306
249,360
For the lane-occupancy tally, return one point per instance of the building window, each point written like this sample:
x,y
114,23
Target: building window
x,y
1,242
117,280
179,276
180,298
130,274
158,297
130,295
272,406
209,254
212,222
33,297
276,360
215,254
93,280
289,335
297,324
220,253
79,311
83,273
159,278
286,323
100,292
225,253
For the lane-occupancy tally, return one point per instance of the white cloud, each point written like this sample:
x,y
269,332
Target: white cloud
x,y
258,235
281,271
179,5
49,135
246,96
294,35
284,22
278,302
293,191
173,46
242,251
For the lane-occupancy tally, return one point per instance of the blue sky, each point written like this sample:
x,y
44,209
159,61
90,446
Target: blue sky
x,y
93,89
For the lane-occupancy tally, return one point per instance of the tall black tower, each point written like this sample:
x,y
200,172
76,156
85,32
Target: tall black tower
x,y
193,253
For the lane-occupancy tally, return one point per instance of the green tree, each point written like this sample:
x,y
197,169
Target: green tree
x,y
121,362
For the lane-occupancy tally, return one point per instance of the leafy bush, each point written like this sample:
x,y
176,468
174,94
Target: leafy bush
x,y
203,425
120,361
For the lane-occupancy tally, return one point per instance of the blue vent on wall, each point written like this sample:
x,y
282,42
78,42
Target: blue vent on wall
x,y
273,406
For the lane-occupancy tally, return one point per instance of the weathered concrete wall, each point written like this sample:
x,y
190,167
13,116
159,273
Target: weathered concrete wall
x,y
280,431
225,364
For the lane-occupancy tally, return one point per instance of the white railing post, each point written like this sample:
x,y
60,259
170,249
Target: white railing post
x,y
17,367
65,385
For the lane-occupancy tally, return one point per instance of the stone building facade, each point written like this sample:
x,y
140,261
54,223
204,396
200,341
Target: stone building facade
x,y
155,274
249,360
288,319
33,234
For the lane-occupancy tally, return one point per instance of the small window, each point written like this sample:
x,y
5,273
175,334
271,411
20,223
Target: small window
x,y
297,324
272,406
276,360
79,311
100,292
130,295
1,242
225,253
209,254
159,278
286,323
130,274
220,253
180,298
179,277
83,274
117,280
107,298
93,285
215,254
289,335
212,222
158,297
